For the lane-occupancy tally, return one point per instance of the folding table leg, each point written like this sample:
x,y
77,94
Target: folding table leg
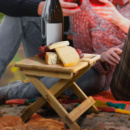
x,y
79,110
28,111
82,96
31,109
49,97
56,90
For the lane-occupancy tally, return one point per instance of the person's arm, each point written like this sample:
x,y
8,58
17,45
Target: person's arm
x,y
124,24
32,7
20,7
110,13
64,5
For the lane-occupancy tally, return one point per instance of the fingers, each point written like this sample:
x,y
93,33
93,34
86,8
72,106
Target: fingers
x,y
110,59
103,9
105,17
110,62
118,51
109,4
65,7
116,56
113,56
68,4
109,10
68,12
104,13
106,57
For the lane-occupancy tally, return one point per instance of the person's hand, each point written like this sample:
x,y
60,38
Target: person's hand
x,y
111,56
64,5
40,8
109,12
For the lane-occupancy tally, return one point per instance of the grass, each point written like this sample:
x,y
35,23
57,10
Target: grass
x,y
1,17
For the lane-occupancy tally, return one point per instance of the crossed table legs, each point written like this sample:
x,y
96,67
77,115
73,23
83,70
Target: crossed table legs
x,y
56,90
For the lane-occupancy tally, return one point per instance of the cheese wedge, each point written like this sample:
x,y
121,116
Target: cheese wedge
x,y
59,44
51,58
68,55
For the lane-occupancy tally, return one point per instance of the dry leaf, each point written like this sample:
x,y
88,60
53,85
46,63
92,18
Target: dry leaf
x,y
39,123
12,123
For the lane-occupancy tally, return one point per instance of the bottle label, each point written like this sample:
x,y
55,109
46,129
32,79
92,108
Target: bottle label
x,y
53,33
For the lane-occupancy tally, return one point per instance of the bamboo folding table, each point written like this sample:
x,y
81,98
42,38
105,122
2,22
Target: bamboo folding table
x,y
34,67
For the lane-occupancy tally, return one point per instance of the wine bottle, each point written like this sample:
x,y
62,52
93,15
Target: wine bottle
x,y
52,22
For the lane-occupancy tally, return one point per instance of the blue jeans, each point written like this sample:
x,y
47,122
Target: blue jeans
x,y
15,30
27,30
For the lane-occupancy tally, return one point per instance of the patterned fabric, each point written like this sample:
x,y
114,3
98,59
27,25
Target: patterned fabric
x,y
120,85
106,102
99,40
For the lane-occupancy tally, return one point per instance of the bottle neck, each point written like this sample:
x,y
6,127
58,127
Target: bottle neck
x,y
52,2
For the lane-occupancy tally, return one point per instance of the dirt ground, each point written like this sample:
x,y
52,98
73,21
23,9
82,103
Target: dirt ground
x,y
100,121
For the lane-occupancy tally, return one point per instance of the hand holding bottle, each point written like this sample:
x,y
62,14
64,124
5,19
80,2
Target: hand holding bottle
x,y
40,8
64,5
66,8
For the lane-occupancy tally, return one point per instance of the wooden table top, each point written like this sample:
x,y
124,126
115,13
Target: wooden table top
x,y
36,63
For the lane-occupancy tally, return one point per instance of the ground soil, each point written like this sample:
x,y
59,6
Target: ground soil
x,y
100,121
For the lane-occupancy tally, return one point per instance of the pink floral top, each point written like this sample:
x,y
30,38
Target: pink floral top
x,y
99,40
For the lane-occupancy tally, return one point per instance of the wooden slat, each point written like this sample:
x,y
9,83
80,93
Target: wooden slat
x,y
68,84
56,90
47,74
90,58
30,110
82,96
75,87
35,63
39,101
79,93
78,111
53,102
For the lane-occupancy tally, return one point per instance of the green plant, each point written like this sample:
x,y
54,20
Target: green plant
x,y
1,16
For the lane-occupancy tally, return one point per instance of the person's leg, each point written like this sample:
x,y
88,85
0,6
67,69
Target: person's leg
x,y
10,38
28,90
91,83
32,39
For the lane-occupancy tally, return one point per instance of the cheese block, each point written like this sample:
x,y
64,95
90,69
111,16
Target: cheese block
x,y
59,44
51,58
68,55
